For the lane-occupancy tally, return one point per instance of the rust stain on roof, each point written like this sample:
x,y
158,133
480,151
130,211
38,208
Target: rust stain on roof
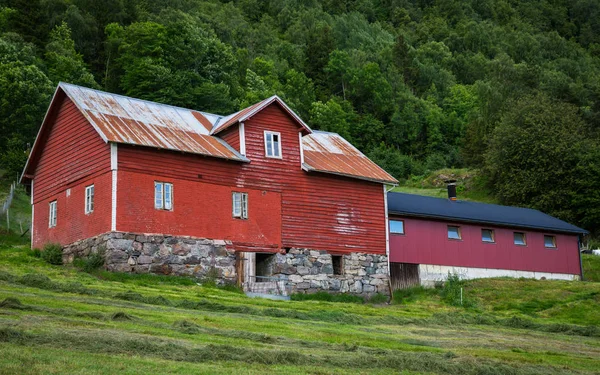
x,y
330,153
122,119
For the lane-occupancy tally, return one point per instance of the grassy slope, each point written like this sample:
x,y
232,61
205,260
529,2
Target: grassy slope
x,y
67,321
469,185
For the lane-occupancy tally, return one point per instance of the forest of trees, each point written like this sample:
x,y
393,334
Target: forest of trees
x,y
510,87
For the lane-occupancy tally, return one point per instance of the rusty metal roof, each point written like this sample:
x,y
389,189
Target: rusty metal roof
x,y
330,153
121,119
248,112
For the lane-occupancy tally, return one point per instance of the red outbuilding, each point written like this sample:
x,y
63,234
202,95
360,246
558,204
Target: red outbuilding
x,y
159,188
432,237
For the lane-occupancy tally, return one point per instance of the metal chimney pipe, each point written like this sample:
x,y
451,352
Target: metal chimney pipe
x,y
451,189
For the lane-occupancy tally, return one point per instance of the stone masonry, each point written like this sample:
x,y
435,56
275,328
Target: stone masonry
x,y
183,256
304,270
309,271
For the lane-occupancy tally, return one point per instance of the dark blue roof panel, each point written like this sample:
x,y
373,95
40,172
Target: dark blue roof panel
x,y
440,208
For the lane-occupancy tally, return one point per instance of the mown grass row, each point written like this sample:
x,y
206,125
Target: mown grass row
x,y
441,363
449,318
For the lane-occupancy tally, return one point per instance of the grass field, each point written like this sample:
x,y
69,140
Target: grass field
x,y
470,185
58,320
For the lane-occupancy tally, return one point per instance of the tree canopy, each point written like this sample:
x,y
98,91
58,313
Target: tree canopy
x,y
415,84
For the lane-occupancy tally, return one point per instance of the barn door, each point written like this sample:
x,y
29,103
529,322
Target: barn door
x,y
404,275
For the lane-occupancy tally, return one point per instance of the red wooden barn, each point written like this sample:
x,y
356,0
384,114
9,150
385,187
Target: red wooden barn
x,y
431,237
251,196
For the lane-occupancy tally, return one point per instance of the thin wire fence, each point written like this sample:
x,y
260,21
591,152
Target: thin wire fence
x,y
9,198
13,217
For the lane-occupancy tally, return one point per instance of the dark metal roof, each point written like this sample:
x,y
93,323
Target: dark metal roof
x,y
440,208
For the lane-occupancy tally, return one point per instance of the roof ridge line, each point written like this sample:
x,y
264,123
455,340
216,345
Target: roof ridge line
x,y
61,83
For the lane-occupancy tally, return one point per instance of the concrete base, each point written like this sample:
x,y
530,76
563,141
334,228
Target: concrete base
x,y
430,274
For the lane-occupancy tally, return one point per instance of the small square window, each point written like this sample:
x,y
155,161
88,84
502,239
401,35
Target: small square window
x,y
550,241
52,215
454,233
163,195
273,144
397,226
240,205
519,239
487,235
89,199
338,264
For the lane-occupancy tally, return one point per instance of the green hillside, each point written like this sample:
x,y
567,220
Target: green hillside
x,y
470,185
506,87
56,319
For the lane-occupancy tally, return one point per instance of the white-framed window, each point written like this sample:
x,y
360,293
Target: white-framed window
x,y
487,235
89,199
52,215
272,144
454,233
239,205
163,195
397,226
520,239
550,241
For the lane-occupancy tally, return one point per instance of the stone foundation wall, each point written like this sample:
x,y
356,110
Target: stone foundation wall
x,y
184,256
303,270
310,271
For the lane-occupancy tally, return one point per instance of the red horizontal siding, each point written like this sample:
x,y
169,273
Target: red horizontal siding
x,y
73,157
318,211
199,210
232,137
426,242
72,151
72,223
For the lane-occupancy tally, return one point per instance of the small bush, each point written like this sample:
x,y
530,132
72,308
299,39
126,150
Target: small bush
x,y
52,253
35,253
451,292
90,263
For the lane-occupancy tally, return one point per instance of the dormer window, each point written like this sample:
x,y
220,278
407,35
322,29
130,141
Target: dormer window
x,y
272,144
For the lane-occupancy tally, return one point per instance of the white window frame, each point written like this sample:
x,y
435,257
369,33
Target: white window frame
x,y
272,149
396,221
163,196
458,231
89,199
553,237
239,205
52,214
492,235
524,238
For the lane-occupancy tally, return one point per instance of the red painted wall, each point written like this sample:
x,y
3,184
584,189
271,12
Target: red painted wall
x,y
199,209
426,242
232,137
317,211
74,156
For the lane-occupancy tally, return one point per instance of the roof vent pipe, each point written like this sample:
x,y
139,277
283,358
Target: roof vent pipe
x,y
451,189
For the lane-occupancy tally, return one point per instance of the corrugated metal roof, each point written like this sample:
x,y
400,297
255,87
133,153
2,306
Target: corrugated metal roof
x,y
440,208
330,153
248,112
121,119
